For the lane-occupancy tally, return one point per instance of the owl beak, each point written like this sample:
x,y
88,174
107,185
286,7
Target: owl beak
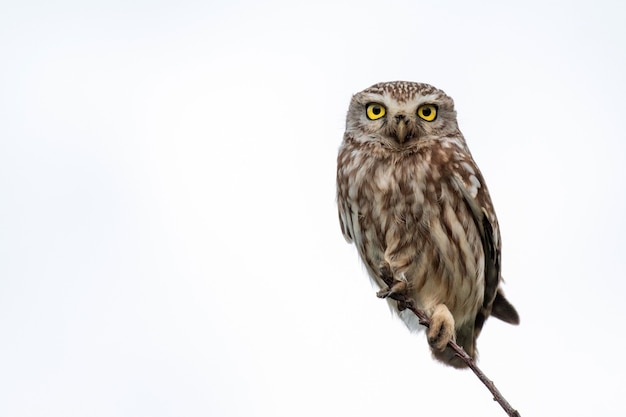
x,y
401,131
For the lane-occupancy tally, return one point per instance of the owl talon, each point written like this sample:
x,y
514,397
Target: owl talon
x,y
385,274
441,329
397,289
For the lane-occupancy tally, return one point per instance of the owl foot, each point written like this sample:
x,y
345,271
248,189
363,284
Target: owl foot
x,y
441,329
385,273
394,286
398,288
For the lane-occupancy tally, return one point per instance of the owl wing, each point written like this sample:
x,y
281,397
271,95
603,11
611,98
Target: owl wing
x,y
345,219
494,302
343,205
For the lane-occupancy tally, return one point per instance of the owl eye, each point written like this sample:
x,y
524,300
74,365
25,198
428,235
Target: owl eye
x,y
375,111
427,112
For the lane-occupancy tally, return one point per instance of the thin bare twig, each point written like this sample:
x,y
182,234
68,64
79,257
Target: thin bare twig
x,y
425,321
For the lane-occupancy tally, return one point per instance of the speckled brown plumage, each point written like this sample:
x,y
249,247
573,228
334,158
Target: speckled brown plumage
x,y
414,203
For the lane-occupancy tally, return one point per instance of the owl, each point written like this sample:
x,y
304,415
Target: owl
x,y
413,201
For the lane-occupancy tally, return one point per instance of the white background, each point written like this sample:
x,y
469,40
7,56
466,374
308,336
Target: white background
x,y
169,243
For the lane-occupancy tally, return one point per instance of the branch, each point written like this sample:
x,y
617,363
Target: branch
x,y
425,321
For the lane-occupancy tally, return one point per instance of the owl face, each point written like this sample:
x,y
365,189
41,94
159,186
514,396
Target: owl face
x,y
400,115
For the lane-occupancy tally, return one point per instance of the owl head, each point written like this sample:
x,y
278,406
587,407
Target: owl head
x,y
401,114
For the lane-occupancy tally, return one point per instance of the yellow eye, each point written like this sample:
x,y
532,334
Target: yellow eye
x,y
427,112
375,111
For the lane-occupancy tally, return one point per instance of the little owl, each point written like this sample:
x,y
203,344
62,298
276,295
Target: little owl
x,y
416,206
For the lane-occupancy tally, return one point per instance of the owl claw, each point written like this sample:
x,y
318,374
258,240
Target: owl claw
x,y
441,329
385,273
397,289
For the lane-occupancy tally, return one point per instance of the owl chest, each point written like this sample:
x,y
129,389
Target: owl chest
x,y
388,194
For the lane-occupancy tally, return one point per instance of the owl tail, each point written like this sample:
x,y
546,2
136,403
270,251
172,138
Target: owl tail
x,y
504,310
